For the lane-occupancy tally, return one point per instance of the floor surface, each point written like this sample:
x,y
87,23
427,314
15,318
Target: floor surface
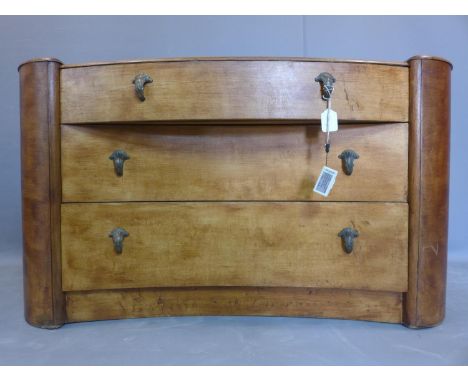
x,y
231,340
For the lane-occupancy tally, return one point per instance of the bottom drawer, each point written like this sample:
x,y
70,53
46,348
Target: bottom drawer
x,y
293,244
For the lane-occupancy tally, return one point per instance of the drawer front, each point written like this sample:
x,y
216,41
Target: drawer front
x,y
235,244
232,90
232,163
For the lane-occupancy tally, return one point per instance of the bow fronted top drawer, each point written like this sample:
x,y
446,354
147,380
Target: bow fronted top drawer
x,y
231,90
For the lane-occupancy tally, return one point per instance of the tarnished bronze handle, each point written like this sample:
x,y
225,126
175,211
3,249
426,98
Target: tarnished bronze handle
x,y
348,157
118,235
348,235
326,81
140,81
119,157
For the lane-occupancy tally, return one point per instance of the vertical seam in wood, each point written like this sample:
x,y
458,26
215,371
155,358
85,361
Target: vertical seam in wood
x,y
50,110
420,133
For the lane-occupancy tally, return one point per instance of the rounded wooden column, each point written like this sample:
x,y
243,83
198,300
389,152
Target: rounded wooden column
x,y
41,191
428,193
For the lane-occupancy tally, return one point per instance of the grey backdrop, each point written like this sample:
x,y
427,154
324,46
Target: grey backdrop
x,y
81,39
228,340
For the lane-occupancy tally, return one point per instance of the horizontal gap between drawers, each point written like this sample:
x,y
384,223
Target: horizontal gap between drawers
x,y
230,287
211,122
234,201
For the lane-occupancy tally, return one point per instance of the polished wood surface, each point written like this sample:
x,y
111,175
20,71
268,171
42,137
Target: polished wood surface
x,y
428,191
235,244
302,302
232,90
41,193
232,163
432,58
217,195
230,58
41,59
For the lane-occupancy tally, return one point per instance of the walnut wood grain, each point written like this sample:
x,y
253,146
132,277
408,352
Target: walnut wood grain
x,y
232,90
428,191
41,193
301,302
232,163
235,244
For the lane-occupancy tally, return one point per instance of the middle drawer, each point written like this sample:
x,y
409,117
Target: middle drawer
x,y
176,163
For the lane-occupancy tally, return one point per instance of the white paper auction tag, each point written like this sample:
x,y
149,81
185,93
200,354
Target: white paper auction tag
x,y
325,181
330,118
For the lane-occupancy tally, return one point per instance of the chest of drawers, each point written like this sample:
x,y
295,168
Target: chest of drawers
x,y
185,187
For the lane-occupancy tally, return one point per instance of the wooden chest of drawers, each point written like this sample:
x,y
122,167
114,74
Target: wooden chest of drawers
x,y
185,187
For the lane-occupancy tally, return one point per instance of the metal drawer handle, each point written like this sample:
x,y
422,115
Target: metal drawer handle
x,y
140,81
348,235
326,81
348,157
118,235
119,157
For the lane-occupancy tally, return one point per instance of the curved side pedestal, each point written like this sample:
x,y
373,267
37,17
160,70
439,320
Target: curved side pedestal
x,y
41,192
429,148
